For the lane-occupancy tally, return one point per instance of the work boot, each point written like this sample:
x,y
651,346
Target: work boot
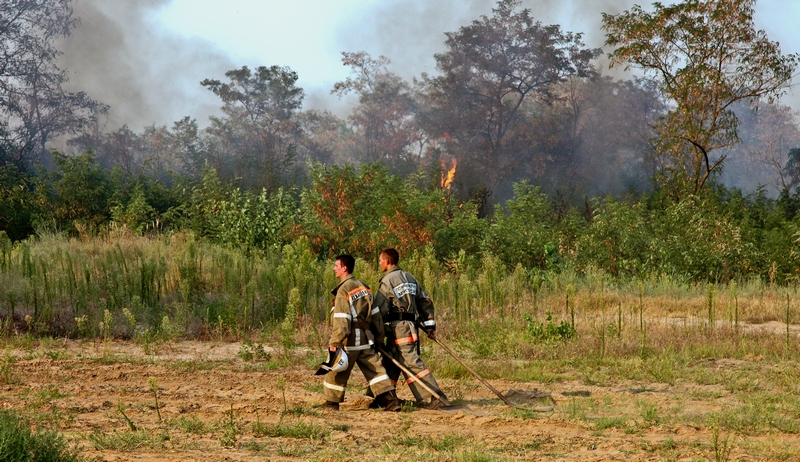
x,y
330,406
387,401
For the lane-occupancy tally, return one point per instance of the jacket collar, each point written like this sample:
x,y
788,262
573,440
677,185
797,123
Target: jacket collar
x,y
336,289
391,270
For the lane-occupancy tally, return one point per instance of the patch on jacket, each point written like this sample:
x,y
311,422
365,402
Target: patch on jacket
x,y
405,289
359,292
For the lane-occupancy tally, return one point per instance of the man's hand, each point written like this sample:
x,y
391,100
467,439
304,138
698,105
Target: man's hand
x,y
431,334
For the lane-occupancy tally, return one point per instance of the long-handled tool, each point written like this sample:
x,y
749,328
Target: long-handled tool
x,y
500,395
414,378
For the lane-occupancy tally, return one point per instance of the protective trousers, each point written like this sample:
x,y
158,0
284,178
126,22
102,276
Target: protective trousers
x,y
335,383
401,343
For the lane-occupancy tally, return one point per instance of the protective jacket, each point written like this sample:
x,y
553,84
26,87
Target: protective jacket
x,y
355,322
404,305
355,325
400,297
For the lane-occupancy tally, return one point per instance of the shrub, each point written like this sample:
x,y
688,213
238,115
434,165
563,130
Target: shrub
x,y
549,330
18,443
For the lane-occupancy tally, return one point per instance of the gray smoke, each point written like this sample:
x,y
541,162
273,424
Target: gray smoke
x,y
410,32
146,76
121,57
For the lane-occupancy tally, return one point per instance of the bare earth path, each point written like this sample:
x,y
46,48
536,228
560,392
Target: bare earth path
x,y
216,407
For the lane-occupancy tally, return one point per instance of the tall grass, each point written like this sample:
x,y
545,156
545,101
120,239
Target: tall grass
x,y
124,286
63,283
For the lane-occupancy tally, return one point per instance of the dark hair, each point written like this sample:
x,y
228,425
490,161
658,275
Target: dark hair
x,y
348,261
391,255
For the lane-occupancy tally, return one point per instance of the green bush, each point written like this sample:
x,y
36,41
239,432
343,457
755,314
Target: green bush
x,y
528,233
549,330
18,443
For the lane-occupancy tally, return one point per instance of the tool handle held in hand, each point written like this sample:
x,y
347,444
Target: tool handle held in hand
x,y
413,377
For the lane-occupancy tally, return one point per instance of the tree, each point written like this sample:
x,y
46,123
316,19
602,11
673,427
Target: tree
x,y
34,108
704,55
489,70
384,120
792,168
360,211
767,133
256,133
81,192
593,137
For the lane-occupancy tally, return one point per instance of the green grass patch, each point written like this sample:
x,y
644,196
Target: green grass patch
x,y
128,441
191,424
21,443
603,423
294,430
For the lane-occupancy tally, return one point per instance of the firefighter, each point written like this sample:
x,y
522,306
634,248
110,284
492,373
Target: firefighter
x,y
405,306
356,326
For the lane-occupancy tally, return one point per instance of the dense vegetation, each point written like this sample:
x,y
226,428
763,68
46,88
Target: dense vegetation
x,y
519,154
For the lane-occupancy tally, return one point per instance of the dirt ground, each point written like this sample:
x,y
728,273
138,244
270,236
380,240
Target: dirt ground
x,y
210,401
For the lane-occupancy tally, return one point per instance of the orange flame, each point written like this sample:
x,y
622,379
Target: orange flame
x,y
447,178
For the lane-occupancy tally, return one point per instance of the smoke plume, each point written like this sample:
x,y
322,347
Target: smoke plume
x,y
120,58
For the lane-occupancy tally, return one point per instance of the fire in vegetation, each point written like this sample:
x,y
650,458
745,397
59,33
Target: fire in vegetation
x,y
447,177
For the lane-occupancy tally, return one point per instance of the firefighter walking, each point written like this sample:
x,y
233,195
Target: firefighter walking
x,y
356,326
404,306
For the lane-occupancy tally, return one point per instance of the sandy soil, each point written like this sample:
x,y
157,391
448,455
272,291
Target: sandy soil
x,y
82,385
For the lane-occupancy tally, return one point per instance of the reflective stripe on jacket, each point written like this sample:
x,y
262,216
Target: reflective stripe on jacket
x,y
353,310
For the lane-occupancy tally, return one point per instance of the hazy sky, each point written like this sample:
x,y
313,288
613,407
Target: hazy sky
x,y
145,58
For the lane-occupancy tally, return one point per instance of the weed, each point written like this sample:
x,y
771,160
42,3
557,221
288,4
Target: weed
x,y
44,396
133,440
230,430
7,375
121,410
154,388
549,330
18,442
254,446
192,425
250,351
295,430
576,409
524,414
603,423
282,386
300,410
721,445
56,355
648,412
474,455
313,387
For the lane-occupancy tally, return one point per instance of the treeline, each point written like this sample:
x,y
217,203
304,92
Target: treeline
x,y
554,164
717,236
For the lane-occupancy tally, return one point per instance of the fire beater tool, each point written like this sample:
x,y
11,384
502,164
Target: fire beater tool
x,y
460,361
411,376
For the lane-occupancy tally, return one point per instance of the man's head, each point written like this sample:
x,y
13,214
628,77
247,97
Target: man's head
x,y
388,258
344,266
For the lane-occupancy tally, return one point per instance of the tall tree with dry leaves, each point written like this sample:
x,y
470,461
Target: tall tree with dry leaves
x,y
704,56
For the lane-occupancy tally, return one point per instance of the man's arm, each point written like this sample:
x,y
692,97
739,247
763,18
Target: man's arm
x,y
376,323
425,311
341,321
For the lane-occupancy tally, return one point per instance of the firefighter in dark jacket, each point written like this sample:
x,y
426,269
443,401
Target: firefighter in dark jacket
x,y
405,306
356,325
